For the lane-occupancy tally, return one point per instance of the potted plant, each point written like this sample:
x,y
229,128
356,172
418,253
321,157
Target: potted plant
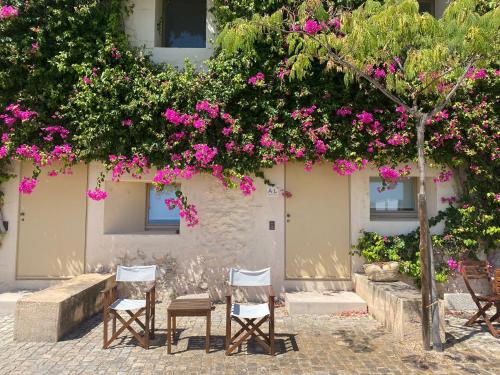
x,y
381,254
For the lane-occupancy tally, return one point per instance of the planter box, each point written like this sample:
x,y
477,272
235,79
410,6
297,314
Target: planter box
x,y
382,271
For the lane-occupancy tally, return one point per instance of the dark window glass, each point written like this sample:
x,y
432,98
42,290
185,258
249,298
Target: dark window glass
x,y
426,6
185,23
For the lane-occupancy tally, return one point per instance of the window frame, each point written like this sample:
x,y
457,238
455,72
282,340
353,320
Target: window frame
x,y
395,215
168,228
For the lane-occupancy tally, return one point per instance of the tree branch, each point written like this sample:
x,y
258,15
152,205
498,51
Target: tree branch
x,y
440,106
358,72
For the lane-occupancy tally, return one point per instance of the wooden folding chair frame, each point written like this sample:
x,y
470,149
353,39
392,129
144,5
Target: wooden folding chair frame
x,y
249,327
149,311
479,270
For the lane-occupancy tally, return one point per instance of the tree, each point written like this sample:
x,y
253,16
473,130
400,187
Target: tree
x,y
415,60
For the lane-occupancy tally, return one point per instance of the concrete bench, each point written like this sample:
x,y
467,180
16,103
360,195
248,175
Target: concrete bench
x,y
49,314
397,305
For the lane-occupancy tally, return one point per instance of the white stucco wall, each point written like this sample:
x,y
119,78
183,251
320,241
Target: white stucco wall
x,y
141,28
360,206
233,231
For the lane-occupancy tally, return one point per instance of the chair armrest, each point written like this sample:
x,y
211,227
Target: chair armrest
x,y
271,292
150,288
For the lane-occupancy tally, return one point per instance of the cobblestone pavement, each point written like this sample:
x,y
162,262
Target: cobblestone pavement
x,y
305,345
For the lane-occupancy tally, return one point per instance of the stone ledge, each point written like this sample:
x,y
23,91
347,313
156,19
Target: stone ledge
x,y
49,314
396,305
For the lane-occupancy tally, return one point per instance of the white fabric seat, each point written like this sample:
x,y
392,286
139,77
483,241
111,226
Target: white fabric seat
x,y
128,304
249,311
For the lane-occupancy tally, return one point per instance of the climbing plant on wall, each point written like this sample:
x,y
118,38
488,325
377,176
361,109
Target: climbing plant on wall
x,y
71,90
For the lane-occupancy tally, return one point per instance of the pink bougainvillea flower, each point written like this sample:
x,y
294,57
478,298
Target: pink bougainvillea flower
x,y
312,27
443,177
127,122
186,211
34,47
345,167
448,200
204,106
173,116
379,73
389,174
52,173
259,77
27,185
320,147
246,185
248,148
335,23
115,54
8,11
344,111
97,194
308,166
365,117
3,152
86,80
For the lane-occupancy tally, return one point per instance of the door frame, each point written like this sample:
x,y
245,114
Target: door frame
x,y
84,240
285,277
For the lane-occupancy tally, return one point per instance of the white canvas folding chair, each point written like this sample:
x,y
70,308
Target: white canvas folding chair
x,y
250,316
113,305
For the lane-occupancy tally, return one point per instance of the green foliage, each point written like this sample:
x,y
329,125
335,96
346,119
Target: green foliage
x,y
376,248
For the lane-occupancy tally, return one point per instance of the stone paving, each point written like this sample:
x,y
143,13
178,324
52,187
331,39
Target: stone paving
x,y
305,345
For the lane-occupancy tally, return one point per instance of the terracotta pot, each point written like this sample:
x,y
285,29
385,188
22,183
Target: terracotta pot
x,y
382,271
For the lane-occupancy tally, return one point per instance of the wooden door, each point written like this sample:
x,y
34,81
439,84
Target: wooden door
x,y
317,224
52,222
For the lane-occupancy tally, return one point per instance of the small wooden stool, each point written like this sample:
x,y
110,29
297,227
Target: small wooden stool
x,y
188,307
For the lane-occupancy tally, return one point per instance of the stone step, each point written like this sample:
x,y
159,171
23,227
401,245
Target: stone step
x,y
8,300
323,303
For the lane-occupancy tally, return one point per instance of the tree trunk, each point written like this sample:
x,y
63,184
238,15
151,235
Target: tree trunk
x,y
424,234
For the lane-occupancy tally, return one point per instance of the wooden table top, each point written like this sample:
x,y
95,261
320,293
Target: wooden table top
x,y
195,304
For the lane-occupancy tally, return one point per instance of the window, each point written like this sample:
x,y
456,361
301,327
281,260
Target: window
x,y
158,215
184,23
427,6
397,202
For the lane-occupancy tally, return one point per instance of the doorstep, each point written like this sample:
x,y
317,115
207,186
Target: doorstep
x,y
323,303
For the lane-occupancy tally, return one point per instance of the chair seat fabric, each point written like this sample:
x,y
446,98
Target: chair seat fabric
x,y
128,304
249,311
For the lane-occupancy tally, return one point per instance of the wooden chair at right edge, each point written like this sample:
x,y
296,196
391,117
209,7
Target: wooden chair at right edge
x,y
474,270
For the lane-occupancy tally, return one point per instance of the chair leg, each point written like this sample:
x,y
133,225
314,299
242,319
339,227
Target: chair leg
x,y
480,312
153,314
105,325
271,335
228,330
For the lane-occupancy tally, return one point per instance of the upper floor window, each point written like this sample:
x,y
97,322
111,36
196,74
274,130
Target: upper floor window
x,y
398,201
427,6
184,23
158,215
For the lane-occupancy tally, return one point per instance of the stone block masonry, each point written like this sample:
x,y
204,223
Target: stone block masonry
x,y
397,305
49,314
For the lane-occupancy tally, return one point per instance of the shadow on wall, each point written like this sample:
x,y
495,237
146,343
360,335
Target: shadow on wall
x,y
180,277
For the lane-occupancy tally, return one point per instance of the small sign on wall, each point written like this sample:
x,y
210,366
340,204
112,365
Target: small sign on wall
x,y
273,191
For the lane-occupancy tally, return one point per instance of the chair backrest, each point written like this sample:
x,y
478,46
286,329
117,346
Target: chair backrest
x,y
136,273
239,277
474,270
